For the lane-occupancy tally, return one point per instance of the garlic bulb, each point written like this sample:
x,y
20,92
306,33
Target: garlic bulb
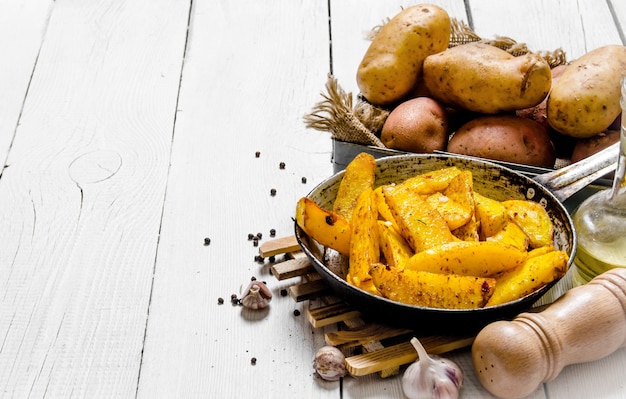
x,y
431,377
257,296
329,363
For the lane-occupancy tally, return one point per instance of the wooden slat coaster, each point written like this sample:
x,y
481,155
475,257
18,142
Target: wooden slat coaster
x,y
330,314
363,335
310,290
401,354
279,246
292,268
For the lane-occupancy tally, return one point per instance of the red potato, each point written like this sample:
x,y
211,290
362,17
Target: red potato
x,y
586,147
418,125
508,138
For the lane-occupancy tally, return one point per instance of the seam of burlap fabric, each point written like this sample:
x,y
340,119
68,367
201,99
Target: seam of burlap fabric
x,y
361,122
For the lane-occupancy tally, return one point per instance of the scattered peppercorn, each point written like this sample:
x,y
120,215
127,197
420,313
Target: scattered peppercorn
x,y
283,292
303,180
253,361
257,154
207,241
252,278
259,236
281,165
234,300
296,312
272,259
273,192
259,258
255,242
220,301
250,236
329,220
272,232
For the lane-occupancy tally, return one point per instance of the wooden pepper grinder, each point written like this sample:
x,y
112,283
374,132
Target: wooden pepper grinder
x,y
512,358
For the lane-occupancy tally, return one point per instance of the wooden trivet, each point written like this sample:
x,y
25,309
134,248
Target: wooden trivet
x,y
355,334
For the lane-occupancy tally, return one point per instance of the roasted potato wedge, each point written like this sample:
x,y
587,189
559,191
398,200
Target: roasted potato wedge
x,y
364,241
432,290
467,258
511,235
491,215
534,273
358,176
325,227
393,246
533,219
420,224
431,182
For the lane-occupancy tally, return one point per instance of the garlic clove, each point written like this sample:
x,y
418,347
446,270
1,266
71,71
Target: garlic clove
x,y
330,363
256,296
431,376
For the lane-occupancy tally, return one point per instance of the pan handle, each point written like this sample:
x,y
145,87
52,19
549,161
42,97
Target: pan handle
x,y
567,181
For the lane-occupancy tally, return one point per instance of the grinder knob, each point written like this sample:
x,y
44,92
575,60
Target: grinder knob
x,y
512,358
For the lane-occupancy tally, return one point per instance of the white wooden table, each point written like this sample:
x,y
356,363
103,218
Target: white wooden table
x,y
128,134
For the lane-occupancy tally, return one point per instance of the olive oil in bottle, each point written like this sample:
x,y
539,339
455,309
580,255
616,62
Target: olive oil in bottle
x,y
600,221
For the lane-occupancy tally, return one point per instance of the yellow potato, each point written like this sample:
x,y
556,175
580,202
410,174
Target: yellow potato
x,y
431,182
364,241
358,176
432,290
325,227
469,231
420,224
384,213
534,221
537,271
482,78
467,258
511,235
585,99
491,215
393,246
392,65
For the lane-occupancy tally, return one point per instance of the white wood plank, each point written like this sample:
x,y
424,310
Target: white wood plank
x,y
619,13
352,21
246,84
82,198
578,26
26,20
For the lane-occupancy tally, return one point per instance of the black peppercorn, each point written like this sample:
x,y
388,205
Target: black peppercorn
x,y
253,361
273,192
207,241
283,292
281,165
296,312
303,180
272,232
220,301
257,154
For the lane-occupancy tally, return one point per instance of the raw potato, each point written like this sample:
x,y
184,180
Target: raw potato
x,y
586,147
418,125
482,78
538,113
585,100
506,138
393,62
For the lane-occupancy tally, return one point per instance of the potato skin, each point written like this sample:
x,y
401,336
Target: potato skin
x,y
392,65
506,138
418,125
585,100
482,78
